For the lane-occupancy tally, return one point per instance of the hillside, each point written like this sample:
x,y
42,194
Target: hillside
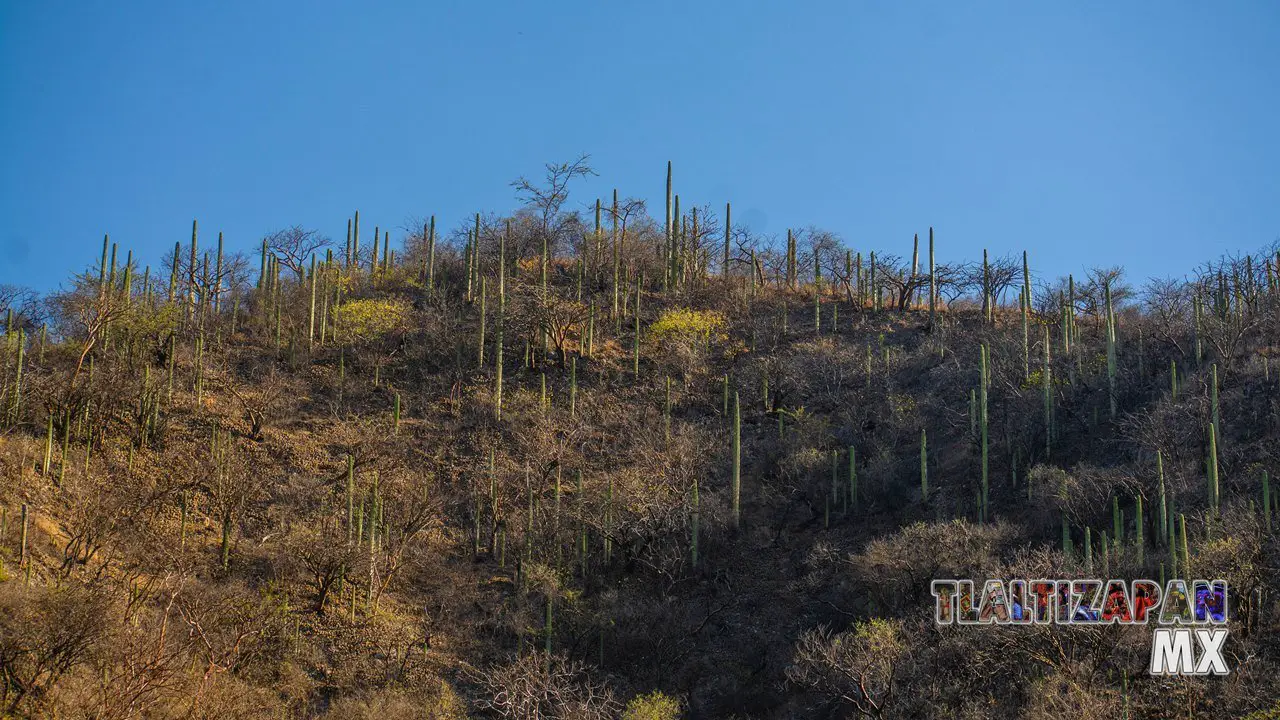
x,y
554,465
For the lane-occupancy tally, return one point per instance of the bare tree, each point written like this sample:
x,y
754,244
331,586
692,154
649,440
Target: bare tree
x,y
294,246
549,198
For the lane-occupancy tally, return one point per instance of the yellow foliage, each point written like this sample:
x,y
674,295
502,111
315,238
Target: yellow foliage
x,y
372,320
682,325
654,706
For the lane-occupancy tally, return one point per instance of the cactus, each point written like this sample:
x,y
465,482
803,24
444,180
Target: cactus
x,y
22,543
1088,550
546,630
667,229
396,416
987,310
573,389
351,489
666,413
736,478
983,380
933,282
184,507
694,521
853,477
635,341
1137,526
1213,469
728,225
1046,384
1111,351
817,293
1066,535
1266,500
1164,499
483,311
17,377
502,312
1026,317
1186,546
1213,400
924,467
1117,519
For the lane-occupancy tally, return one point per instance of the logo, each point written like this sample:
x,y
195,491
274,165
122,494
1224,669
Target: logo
x,y
1172,652
1185,643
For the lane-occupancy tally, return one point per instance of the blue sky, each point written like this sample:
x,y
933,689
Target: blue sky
x,y
1085,132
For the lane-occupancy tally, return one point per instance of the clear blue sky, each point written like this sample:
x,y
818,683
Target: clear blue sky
x,y
1085,132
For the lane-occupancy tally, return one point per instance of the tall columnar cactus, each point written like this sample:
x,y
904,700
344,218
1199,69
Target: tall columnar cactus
x,y
1067,548
736,477
430,232
17,377
933,283
853,478
728,234
1213,470
695,520
817,293
635,339
483,313
1266,500
1111,351
573,388
1046,384
1137,526
1213,400
924,466
984,373
1117,519
987,310
502,313
1197,311
668,229
355,241
191,272
1186,546
1164,499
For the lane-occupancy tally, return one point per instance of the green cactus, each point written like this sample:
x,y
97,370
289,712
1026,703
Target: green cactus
x,y
1111,351
924,467
1266,500
351,490
1164,500
853,478
736,477
983,380
1046,384
728,226
1213,400
1066,535
1117,520
694,521
635,340
1213,470
502,312
666,413
1186,547
429,232
1088,550
1137,527
573,388
1026,317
